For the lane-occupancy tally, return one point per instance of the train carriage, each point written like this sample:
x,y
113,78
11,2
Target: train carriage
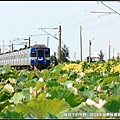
x,y
25,58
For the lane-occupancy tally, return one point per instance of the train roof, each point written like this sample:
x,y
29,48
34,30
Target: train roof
x,y
34,46
38,45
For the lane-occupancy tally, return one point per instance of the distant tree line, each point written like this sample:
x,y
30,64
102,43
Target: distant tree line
x,y
65,56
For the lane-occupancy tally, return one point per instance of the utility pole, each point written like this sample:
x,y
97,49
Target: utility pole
x,y
12,47
113,52
109,49
80,43
89,51
59,40
47,41
59,47
28,40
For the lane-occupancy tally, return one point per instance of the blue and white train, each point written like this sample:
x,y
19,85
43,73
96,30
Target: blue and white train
x,y
26,58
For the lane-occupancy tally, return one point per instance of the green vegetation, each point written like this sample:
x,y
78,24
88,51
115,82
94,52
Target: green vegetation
x,y
60,93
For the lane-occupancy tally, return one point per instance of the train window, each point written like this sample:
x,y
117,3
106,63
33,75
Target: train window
x,y
40,53
33,54
47,54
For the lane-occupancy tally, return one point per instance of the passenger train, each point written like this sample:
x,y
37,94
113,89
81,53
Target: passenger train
x,y
27,58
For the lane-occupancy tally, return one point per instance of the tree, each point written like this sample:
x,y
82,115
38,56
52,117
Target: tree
x,y
53,59
65,54
101,56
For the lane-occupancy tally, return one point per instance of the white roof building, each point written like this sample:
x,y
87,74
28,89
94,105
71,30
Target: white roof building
x,y
117,54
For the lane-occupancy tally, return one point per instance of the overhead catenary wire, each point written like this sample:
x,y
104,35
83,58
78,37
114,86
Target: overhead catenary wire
x,y
102,25
110,8
74,15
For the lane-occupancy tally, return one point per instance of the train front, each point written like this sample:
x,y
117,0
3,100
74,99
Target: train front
x,y
40,56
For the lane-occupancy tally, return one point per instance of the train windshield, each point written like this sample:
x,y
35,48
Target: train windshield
x,y
40,52
47,54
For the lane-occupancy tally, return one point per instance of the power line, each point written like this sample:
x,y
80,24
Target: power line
x,y
75,15
48,32
110,8
101,26
81,22
87,21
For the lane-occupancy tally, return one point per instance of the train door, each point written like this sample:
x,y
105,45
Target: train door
x,y
40,56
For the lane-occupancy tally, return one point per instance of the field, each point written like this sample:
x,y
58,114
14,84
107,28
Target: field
x,y
68,90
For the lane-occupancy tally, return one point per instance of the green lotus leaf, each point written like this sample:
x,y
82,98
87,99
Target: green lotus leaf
x,y
112,104
116,89
109,80
17,97
25,72
3,96
4,104
22,78
30,75
69,97
62,79
92,80
57,69
39,85
40,107
11,114
72,74
26,94
37,73
1,86
6,68
29,84
89,93
8,106
52,83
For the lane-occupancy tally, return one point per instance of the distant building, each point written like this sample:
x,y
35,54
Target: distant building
x,y
94,56
116,55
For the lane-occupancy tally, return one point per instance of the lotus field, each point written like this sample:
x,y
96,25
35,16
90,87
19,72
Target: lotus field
x,y
68,90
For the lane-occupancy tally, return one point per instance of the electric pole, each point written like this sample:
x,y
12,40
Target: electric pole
x,y
28,40
109,49
59,47
47,41
89,51
59,40
80,43
113,52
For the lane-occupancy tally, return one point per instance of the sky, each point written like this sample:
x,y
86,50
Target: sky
x,y
20,20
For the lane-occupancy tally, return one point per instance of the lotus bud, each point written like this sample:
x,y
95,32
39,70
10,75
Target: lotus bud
x,y
35,92
31,89
41,80
100,88
69,85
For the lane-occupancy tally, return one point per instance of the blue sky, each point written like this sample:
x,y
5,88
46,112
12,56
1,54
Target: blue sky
x,y
21,19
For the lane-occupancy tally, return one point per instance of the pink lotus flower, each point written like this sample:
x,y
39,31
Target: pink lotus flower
x,y
35,92
98,105
100,88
